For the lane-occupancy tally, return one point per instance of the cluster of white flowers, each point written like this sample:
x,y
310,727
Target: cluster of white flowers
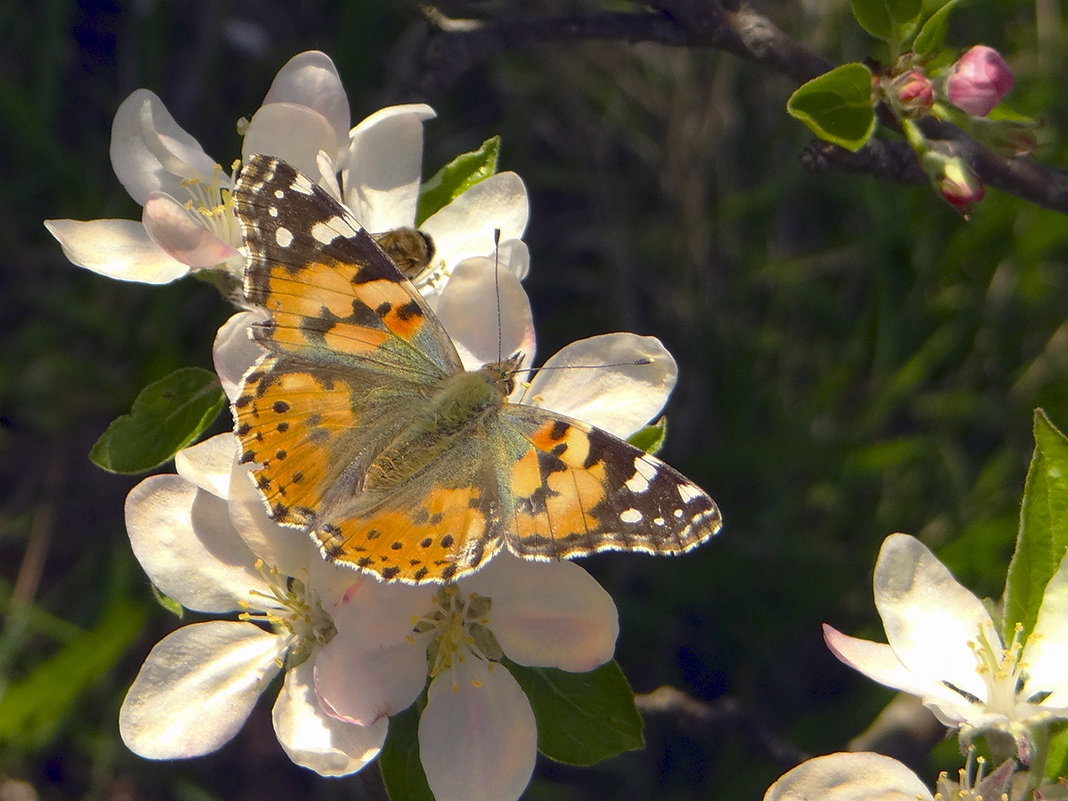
x,y
353,650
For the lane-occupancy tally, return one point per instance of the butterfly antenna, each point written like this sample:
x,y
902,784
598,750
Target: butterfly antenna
x,y
644,360
497,289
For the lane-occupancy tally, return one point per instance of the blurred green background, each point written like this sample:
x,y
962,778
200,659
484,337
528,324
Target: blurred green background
x,y
854,360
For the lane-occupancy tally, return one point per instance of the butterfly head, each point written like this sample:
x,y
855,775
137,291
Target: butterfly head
x,y
505,371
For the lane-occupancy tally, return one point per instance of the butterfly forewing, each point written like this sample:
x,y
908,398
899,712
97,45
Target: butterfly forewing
x,y
363,429
333,295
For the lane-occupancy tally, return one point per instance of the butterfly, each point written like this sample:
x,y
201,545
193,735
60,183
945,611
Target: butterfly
x,y
363,428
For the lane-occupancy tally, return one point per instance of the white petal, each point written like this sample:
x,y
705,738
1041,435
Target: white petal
x,y
291,132
311,79
597,381
929,617
234,352
316,740
860,776
548,614
467,307
184,541
477,735
119,249
875,660
208,464
150,152
196,689
381,170
182,235
283,547
363,685
376,613
373,666
515,257
1046,651
466,226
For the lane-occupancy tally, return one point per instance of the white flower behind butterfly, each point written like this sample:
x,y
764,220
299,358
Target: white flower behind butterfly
x,y
187,223
204,541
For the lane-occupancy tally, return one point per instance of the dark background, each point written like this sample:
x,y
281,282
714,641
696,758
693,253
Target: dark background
x,y
854,360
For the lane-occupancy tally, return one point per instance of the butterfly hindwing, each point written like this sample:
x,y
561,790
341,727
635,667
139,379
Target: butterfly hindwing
x,y
577,490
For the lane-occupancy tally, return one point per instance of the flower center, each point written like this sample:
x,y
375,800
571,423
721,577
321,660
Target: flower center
x,y
211,202
970,777
1000,669
457,628
291,611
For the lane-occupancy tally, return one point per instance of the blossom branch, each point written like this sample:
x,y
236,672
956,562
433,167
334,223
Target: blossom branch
x,y
457,45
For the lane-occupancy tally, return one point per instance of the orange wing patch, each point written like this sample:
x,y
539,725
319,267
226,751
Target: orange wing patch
x,y
435,539
287,443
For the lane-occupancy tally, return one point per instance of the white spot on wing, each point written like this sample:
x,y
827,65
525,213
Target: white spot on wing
x,y
630,516
688,492
302,184
643,472
326,231
283,236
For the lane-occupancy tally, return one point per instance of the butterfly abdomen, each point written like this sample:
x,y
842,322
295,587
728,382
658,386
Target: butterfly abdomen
x,y
453,410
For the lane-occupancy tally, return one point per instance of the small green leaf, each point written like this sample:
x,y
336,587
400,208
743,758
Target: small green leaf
x,y
650,438
166,416
34,708
1057,755
582,717
168,603
402,772
1043,537
933,33
893,21
457,177
837,106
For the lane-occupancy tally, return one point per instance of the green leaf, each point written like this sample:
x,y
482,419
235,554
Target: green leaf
x,y
1043,535
650,438
582,717
893,21
1057,755
33,708
457,177
166,416
837,106
933,33
402,772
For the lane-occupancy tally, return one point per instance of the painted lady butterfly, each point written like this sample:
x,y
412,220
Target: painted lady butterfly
x,y
365,430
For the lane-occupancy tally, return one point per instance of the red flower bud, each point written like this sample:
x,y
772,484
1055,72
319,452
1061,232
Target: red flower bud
x,y
953,179
914,92
979,80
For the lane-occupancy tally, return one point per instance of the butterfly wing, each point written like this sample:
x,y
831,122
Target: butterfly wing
x,y
351,344
437,528
575,489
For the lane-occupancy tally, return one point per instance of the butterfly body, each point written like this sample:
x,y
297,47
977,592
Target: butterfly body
x,y
365,430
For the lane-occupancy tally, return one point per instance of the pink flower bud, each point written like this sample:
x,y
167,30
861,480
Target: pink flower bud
x,y
914,92
979,80
953,179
